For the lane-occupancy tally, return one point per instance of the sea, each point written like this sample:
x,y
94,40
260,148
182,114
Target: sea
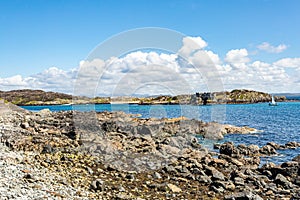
x,y
279,124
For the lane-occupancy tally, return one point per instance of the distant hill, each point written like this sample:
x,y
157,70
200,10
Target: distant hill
x,y
28,97
39,97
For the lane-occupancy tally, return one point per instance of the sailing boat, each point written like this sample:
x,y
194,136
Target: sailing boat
x,y
273,103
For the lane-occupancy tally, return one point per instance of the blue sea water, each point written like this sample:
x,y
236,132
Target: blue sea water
x,y
280,124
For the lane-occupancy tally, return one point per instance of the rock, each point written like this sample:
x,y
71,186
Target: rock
x,y
253,149
292,145
246,195
274,145
229,149
174,188
47,149
216,175
97,184
291,168
217,189
217,146
239,181
44,113
297,159
204,179
214,131
280,179
157,175
25,125
267,150
144,130
130,177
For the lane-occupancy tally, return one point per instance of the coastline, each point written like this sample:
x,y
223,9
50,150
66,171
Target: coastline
x,y
132,158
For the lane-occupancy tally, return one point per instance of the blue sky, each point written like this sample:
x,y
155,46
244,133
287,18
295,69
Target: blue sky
x,y
36,35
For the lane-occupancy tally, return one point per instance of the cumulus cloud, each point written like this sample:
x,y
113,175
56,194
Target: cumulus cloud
x,y
265,46
191,69
190,45
237,58
288,63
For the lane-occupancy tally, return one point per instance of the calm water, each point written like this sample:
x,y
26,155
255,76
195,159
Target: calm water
x,y
280,124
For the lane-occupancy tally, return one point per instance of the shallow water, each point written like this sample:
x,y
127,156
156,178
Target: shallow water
x,y
280,124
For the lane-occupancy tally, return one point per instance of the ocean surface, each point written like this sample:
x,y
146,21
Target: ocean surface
x,y
279,124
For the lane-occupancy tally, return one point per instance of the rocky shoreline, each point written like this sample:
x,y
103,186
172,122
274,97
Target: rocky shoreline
x,y
113,155
39,97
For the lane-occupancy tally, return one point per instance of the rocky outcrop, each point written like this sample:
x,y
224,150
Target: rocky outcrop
x,y
113,155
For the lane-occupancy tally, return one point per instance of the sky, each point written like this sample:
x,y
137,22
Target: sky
x,y
254,44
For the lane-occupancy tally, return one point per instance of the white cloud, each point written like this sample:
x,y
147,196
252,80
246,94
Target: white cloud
x,y
190,45
237,58
160,73
288,62
265,46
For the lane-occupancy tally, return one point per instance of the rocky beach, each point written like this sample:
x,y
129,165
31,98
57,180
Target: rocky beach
x,y
113,155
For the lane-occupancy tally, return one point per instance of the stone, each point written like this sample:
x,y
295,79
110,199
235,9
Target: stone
x,y
47,149
229,149
292,145
217,175
280,179
297,159
157,175
174,188
25,125
204,179
239,181
245,195
267,150
253,149
97,184
130,177
274,145
214,131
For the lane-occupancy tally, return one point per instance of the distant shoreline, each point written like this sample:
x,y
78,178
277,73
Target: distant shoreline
x,y
237,96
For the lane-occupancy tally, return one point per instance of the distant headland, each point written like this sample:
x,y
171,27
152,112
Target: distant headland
x,y
40,97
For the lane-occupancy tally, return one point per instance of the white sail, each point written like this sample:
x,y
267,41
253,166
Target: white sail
x,y
273,101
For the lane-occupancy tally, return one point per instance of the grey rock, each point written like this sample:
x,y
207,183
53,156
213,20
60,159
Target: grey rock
x,y
97,184
157,175
267,150
239,181
280,179
204,179
246,195
229,149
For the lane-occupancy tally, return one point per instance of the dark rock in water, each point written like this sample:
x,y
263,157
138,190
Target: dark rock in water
x,y
292,145
297,159
217,146
268,150
274,145
229,149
